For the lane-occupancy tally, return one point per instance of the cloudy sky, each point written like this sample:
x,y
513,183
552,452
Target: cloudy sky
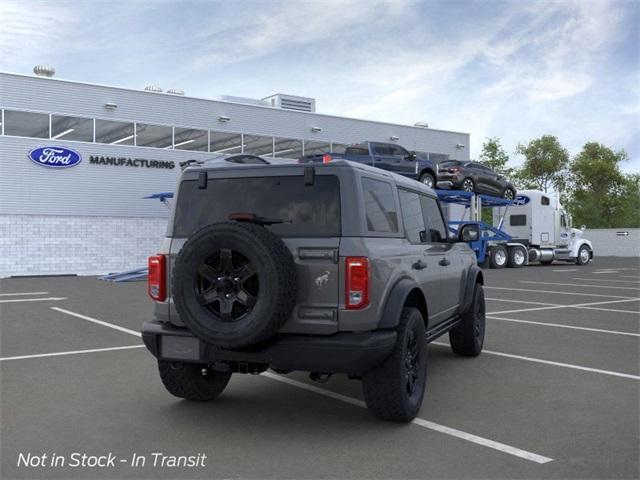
x,y
511,69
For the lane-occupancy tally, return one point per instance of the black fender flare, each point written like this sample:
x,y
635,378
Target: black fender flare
x,y
395,301
430,171
474,275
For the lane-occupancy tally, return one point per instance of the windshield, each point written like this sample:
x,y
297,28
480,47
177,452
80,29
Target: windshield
x,y
306,210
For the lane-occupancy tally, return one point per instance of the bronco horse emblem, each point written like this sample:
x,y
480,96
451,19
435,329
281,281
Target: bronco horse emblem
x,y
322,280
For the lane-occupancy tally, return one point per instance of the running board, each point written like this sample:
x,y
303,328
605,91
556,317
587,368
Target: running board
x,y
442,328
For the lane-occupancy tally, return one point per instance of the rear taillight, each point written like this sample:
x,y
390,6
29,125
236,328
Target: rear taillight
x,y
357,283
454,170
157,279
326,158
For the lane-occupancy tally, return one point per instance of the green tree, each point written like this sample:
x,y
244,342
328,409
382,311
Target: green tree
x,y
600,195
494,156
545,164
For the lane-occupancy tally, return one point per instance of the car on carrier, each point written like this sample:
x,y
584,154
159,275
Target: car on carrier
x,y
474,177
324,268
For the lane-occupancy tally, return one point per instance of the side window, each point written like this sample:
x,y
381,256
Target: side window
x,y
398,151
412,216
436,229
518,220
563,220
381,149
380,206
544,201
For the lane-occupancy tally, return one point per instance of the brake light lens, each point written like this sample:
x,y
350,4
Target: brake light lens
x,y
326,158
156,286
454,169
357,283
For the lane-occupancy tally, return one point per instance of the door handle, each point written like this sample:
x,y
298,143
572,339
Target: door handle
x,y
444,262
419,265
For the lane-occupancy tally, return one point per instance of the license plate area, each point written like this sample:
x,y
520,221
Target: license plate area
x,y
180,348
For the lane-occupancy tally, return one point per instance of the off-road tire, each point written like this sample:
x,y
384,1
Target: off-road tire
x,y
512,261
385,387
496,252
427,176
274,267
580,259
192,381
467,337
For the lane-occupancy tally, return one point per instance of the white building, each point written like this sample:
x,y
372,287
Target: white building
x,y
91,217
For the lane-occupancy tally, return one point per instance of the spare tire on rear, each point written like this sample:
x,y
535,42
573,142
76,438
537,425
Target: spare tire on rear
x,y
234,284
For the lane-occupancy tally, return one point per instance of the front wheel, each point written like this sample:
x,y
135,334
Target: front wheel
x,y
467,338
428,180
394,389
509,194
192,381
584,255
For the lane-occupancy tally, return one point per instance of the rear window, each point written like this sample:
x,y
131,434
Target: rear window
x,y
307,210
450,163
357,151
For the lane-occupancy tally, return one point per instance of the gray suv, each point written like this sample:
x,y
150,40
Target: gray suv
x,y
329,268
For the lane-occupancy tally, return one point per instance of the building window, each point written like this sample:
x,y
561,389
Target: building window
x,y
157,136
338,148
114,133
71,128
287,148
380,206
26,124
315,148
258,145
190,139
225,143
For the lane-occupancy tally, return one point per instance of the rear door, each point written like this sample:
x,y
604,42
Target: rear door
x,y
383,156
311,228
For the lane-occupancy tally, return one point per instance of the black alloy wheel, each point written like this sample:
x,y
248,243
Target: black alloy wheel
x,y
412,363
227,285
467,185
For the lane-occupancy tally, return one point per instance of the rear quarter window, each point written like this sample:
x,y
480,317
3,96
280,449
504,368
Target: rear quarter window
x,y
380,206
306,210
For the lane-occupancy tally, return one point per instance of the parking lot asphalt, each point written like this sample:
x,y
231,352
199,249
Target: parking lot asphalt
x,y
555,394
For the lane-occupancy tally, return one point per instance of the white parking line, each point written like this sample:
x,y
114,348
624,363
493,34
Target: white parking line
x,y
485,442
98,322
580,285
628,276
588,306
572,327
604,280
519,301
567,270
555,364
20,300
557,292
23,293
72,352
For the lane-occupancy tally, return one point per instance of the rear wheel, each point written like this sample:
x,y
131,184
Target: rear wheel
x,y
192,381
498,256
394,389
428,180
508,194
467,337
517,257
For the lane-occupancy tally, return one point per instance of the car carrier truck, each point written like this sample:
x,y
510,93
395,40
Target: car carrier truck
x,y
540,223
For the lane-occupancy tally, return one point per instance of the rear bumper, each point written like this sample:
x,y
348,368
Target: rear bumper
x,y
351,353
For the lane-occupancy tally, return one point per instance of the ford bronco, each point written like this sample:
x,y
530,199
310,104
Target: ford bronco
x,y
325,268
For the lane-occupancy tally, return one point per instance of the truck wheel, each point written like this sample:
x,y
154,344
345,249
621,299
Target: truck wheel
x,y
509,194
394,389
467,337
517,257
584,255
428,180
192,381
234,284
498,256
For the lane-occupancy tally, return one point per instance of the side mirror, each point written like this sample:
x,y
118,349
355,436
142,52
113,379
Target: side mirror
x,y
411,156
469,233
583,228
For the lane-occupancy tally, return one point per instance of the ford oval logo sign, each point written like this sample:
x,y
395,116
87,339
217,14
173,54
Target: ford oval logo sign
x,y
55,157
521,200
